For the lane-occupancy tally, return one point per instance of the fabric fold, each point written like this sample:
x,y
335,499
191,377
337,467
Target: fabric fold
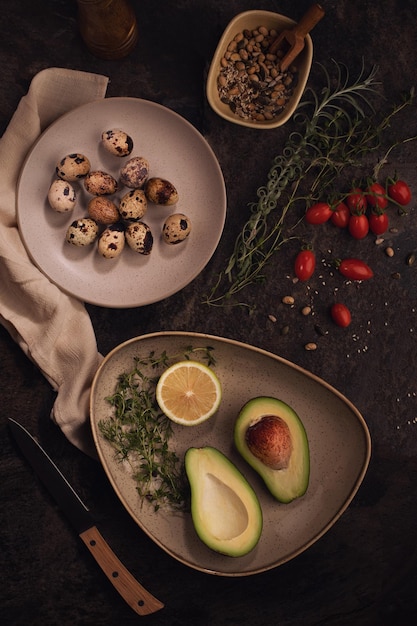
x,y
52,328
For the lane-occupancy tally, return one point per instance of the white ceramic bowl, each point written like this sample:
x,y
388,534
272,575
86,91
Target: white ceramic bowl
x,y
251,20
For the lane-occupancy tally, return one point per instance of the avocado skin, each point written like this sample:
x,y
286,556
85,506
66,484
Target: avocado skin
x,y
284,484
210,473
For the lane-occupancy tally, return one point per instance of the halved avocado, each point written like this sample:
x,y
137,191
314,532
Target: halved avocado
x,y
225,509
271,437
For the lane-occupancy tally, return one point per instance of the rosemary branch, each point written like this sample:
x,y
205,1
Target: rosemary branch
x,y
336,129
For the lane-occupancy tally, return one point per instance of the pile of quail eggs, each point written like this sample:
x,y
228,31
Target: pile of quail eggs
x,y
112,221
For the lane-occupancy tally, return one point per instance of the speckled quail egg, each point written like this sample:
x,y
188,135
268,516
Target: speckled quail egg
x,y
135,173
82,232
112,241
133,205
72,167
61,196
161,191
99,183
117,142
102,210
139,237
176,228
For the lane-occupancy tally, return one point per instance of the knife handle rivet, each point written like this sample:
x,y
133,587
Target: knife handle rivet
x,y
92,542
115,574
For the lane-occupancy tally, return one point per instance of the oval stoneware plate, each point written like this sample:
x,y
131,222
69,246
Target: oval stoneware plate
x,y
175,151
339,441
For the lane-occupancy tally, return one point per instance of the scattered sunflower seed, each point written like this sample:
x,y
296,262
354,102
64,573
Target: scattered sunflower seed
x,y
410,258
389,251
272,318
310,346
306,310
288,300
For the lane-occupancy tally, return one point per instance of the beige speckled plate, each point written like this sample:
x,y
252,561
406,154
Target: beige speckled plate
x,y
176,151
340,449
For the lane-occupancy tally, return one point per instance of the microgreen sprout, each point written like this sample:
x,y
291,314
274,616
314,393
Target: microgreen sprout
x,y
140,433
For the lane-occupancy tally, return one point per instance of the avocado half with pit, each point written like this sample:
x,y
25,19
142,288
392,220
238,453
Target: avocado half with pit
x,y
225,509
271,437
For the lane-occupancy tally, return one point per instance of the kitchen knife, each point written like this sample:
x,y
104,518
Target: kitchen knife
x,y
138,598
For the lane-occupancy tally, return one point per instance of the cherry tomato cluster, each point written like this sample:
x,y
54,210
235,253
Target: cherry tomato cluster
x,y
362,210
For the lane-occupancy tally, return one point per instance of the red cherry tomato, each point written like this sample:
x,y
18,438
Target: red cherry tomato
x,y
354,269
358,226
305,264
356,201
376,196
378,223
341,314
341,214
318,213
400,192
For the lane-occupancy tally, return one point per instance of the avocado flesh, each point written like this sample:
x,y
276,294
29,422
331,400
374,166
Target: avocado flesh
x,y
225,509
290,481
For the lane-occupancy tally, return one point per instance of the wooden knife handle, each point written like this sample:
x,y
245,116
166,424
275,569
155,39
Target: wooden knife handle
x,y
137,597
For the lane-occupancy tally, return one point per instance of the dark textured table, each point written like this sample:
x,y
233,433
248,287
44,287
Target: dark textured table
x,y
364,570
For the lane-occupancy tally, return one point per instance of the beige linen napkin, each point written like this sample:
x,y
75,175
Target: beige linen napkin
x,y
52,328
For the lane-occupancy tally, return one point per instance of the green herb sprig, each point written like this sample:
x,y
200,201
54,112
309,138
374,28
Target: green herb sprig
x,y
337,128
139,432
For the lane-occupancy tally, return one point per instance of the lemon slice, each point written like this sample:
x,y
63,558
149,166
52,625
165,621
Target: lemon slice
x,y
188,392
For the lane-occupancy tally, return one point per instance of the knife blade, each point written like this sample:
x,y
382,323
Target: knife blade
x,y
136,596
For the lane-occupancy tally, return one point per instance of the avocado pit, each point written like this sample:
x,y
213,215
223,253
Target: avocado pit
x,y
269,440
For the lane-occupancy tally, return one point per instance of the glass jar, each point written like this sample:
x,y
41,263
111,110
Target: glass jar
x,y
108,27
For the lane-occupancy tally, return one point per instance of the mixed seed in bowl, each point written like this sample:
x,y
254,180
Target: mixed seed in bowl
x,y
250,81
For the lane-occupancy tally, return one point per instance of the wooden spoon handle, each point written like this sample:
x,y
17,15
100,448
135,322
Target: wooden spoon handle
x,y
309,20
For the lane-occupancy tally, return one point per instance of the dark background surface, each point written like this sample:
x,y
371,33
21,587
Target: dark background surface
x,y
364,570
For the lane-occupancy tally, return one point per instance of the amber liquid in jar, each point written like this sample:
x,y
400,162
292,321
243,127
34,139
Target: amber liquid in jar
x,y
108,27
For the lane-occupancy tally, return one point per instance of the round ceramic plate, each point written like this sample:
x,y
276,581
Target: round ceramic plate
x,y
175,151
339,442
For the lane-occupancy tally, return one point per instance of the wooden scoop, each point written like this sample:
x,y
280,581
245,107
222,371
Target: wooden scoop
x,y
295,36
